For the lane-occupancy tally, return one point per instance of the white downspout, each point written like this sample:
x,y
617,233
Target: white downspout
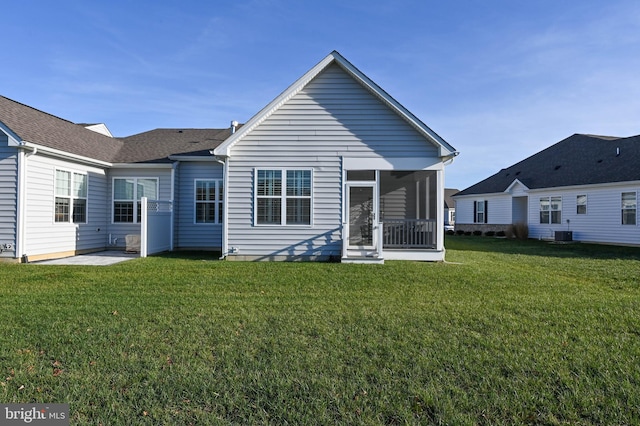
x,y
174,166
21,202
225,207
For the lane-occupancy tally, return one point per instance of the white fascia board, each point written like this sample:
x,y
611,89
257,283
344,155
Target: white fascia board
x,y
192,158
514,183
586,187
445,150
142,165
64,155
224,149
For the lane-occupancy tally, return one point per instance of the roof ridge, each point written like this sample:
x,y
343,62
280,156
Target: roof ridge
x,y
39,110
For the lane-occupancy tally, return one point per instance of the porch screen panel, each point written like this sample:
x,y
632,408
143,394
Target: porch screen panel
x,y
360,216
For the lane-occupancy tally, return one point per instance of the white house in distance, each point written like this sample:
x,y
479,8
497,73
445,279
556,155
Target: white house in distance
x,y
583,188
332,168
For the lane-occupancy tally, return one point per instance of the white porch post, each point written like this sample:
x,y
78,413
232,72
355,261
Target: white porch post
x,y
440,209
143,227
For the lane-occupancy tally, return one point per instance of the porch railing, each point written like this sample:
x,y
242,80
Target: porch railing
x,y
409,233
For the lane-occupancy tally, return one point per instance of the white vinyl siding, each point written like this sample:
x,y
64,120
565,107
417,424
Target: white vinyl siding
x,y
43,238
188,233
119,230
332,117
8,191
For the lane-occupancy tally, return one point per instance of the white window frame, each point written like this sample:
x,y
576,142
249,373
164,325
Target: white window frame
x,y
135,200
549,202
71,196
283,197
625,208
217,202
581,201
480,216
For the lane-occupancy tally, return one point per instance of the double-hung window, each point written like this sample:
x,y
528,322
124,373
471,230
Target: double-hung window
x,y
208,201
70,197
283,197
480,211
551,210
127,193
581,204
629,207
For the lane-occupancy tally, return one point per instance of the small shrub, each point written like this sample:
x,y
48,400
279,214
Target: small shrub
x,y
450,232
460,232
500,234
490,233
467,233
477,233
520,230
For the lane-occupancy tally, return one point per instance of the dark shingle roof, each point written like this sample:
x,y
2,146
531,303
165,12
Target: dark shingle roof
x,y
157,145
576,160
41,128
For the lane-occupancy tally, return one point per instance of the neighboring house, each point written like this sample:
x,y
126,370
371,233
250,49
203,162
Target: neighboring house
x,y
587,185
332,168
449,208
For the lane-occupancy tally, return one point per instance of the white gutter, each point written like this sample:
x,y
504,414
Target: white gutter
x,y
142,165
21,202
63,154
191,158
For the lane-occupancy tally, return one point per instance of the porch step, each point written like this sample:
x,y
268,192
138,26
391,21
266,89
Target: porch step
x,y
369,260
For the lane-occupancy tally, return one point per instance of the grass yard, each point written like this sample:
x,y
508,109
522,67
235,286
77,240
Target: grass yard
x,y
507,332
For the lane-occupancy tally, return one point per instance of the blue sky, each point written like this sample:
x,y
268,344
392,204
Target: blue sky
x,y
499,80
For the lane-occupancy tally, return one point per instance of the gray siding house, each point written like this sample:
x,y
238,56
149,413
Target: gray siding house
x,y
584,187
333,168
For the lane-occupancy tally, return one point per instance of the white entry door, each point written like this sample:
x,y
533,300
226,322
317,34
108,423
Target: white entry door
x,y
362,215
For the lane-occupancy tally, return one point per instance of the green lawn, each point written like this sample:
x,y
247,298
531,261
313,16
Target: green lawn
x,y
506,332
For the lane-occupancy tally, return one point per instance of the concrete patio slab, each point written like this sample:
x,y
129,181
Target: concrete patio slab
x,y
103,258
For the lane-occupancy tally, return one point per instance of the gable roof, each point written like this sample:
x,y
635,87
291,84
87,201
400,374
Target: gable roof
x,y
37,127
334,57
448,201
577,160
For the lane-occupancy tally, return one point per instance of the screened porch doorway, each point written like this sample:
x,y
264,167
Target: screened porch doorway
x,y
362,215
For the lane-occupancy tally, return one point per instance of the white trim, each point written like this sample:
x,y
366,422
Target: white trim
x,y
392,163
135,196
141,165
283,197
13,139
66,155
514,183
70,197
216,201
194,158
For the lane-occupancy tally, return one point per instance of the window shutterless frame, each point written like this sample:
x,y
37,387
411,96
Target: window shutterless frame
x,y
70,196
283,197
208,199
126,193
